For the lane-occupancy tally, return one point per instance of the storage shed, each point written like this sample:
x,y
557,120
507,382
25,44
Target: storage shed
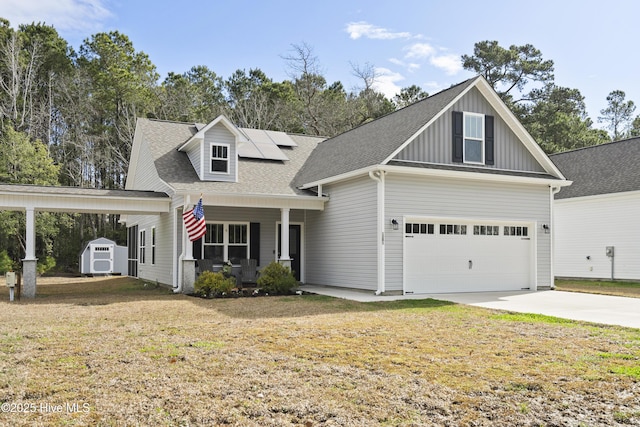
x,y
103,256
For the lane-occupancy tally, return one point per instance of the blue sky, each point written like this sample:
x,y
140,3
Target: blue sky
x,y
593,44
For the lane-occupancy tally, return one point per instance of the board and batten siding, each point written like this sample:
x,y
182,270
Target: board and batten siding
x,y
407,195
341,240
585,226
434,144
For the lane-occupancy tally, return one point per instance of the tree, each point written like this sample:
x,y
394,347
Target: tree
x,y
194,96
559,121
122,88
510,70
635,128
409,95
618,114
256,101
369,104
26,162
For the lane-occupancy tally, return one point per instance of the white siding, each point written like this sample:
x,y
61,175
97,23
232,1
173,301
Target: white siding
x,y
162,270
465,199
341,240
219,134
584,227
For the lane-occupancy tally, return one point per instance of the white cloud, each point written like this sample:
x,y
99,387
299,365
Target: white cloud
x,y
419,50
409,66
451,64
386,82
370,31
64,15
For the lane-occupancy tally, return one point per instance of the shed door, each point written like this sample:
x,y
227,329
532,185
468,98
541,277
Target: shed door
x,y
101,258
455,256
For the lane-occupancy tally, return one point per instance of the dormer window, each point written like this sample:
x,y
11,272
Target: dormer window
x,y
472,138
473,151
219,158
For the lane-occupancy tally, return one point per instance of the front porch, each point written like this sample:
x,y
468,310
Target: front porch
x,y
261,233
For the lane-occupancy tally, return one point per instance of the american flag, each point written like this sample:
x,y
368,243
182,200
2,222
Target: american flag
x,y
194,222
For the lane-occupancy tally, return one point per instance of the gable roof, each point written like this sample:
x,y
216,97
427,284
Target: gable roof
x,y
600,169
260,177
378,141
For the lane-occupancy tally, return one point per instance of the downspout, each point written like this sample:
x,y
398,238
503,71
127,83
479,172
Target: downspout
x,y
378,176
553,191
177,280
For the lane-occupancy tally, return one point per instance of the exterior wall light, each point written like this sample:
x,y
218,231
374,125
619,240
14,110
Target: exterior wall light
x,y
546,228
394,224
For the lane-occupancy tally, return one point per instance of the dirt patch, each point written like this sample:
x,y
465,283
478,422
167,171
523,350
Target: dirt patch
x,y
117,351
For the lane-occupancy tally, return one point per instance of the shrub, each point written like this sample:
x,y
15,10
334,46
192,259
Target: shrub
x,y
276,279
6,263
210,284
45,264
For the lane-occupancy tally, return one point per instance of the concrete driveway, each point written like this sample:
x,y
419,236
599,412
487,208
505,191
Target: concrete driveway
x,y
608,310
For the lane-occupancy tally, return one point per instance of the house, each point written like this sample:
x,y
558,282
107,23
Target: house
x,y
450,194
596,219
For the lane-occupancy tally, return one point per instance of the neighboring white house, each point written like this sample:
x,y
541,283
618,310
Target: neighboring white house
x,y
597,232
450,194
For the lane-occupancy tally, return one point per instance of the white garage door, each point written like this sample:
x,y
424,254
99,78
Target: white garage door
x,y
453,256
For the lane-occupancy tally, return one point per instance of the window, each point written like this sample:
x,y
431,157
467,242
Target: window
x,y
153,245
412,228
516,231
225,241
143,246
219,158
453,229
473,138
486,230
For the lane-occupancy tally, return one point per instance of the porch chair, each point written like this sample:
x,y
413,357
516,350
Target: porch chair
x,y
204,265
249,270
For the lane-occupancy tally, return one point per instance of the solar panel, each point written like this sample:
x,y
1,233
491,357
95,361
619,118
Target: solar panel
x,y
281,139
261,145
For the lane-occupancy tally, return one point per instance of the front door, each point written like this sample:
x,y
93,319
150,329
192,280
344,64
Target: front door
x,y
295,252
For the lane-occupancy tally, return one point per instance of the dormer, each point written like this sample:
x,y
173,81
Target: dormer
x,y
213,150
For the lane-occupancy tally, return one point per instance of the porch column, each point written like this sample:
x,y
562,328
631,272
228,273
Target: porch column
x,y
188,263
285,259
29,267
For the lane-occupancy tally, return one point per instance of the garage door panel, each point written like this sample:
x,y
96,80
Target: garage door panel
x,y
441,263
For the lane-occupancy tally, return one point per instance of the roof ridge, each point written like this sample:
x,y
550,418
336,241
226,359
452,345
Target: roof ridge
x,y
412,105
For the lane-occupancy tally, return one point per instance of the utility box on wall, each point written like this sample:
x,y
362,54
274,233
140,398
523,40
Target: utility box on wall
x,y
103,256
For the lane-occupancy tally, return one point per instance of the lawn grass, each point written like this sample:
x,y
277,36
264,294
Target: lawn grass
x,y
121,352
604,287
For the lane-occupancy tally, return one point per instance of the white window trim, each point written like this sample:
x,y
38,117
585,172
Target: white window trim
x,y
142,246
153,245
225,239
211,158
464,138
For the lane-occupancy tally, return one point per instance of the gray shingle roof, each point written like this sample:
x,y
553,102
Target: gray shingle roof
x,y
600,169
371,143
254,176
